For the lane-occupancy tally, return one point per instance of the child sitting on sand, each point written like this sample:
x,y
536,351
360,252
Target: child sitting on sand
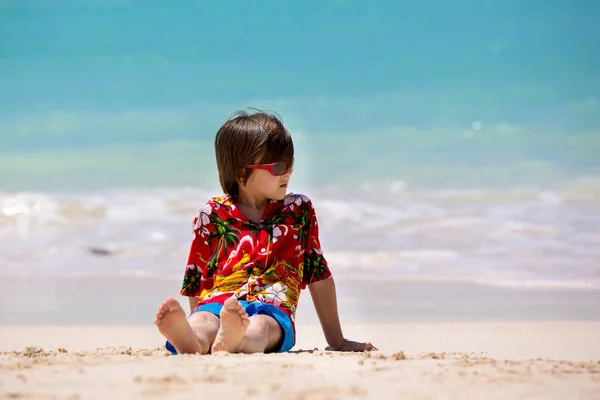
x,y
253,250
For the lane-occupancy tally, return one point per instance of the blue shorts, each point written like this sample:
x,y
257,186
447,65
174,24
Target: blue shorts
x,y
256,308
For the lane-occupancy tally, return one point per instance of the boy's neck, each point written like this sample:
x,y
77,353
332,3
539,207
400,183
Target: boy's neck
x,y
252,201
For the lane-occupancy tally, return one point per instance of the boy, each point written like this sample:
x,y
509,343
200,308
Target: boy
x,y
253,250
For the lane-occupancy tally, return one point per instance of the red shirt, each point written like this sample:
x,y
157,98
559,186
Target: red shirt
x,y
268,262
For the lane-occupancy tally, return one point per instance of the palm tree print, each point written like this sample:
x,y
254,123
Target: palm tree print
x,y
271,223
227,234
212,264
254,269
251,226
303,220
192,279
315,266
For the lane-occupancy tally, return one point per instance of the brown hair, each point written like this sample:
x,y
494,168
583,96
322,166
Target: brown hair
x,y
246,139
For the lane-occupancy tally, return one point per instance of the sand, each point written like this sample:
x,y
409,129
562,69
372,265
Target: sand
x,y
475,360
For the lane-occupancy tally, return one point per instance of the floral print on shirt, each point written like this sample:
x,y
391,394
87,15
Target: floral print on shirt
x,y
270,261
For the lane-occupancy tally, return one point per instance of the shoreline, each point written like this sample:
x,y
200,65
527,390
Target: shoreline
x,y
134,301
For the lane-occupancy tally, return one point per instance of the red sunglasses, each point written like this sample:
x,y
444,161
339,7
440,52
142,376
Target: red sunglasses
x,y
277,169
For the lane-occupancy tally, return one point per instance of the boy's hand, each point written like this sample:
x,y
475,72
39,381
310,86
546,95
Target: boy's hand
x,y
325,301
350,345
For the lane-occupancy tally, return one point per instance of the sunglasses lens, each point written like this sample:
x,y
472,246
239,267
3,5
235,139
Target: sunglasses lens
x,y
279,168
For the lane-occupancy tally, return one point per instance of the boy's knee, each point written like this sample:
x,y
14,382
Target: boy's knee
x,y
266,325
259,323
206,321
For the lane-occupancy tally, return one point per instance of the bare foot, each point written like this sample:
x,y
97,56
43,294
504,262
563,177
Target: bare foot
x,y
173,324
234,322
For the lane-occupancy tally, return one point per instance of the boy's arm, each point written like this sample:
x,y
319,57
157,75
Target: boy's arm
x,y
193,303
325,301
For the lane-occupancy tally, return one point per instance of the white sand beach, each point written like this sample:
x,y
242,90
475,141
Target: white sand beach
x,y
536,360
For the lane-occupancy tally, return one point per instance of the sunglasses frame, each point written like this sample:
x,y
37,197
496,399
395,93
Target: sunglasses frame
x,y
269,167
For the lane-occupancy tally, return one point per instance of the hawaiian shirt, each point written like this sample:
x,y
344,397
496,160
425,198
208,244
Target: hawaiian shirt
x,y
270,261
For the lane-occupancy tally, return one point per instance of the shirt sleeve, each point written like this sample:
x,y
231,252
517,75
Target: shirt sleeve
x,y
195,276
315,265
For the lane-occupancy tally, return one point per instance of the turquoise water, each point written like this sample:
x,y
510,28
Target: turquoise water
x,y
130,93
439,141
440,158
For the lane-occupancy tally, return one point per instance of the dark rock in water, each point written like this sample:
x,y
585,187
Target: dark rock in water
x,y
100,251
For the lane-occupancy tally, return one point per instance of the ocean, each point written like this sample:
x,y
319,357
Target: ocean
x,y
456,146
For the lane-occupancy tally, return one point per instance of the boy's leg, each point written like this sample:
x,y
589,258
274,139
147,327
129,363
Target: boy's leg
x,y
205,325
173,323
239,333
262,336
234,322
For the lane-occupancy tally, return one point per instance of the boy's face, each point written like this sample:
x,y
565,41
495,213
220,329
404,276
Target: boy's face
x,y
263,183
